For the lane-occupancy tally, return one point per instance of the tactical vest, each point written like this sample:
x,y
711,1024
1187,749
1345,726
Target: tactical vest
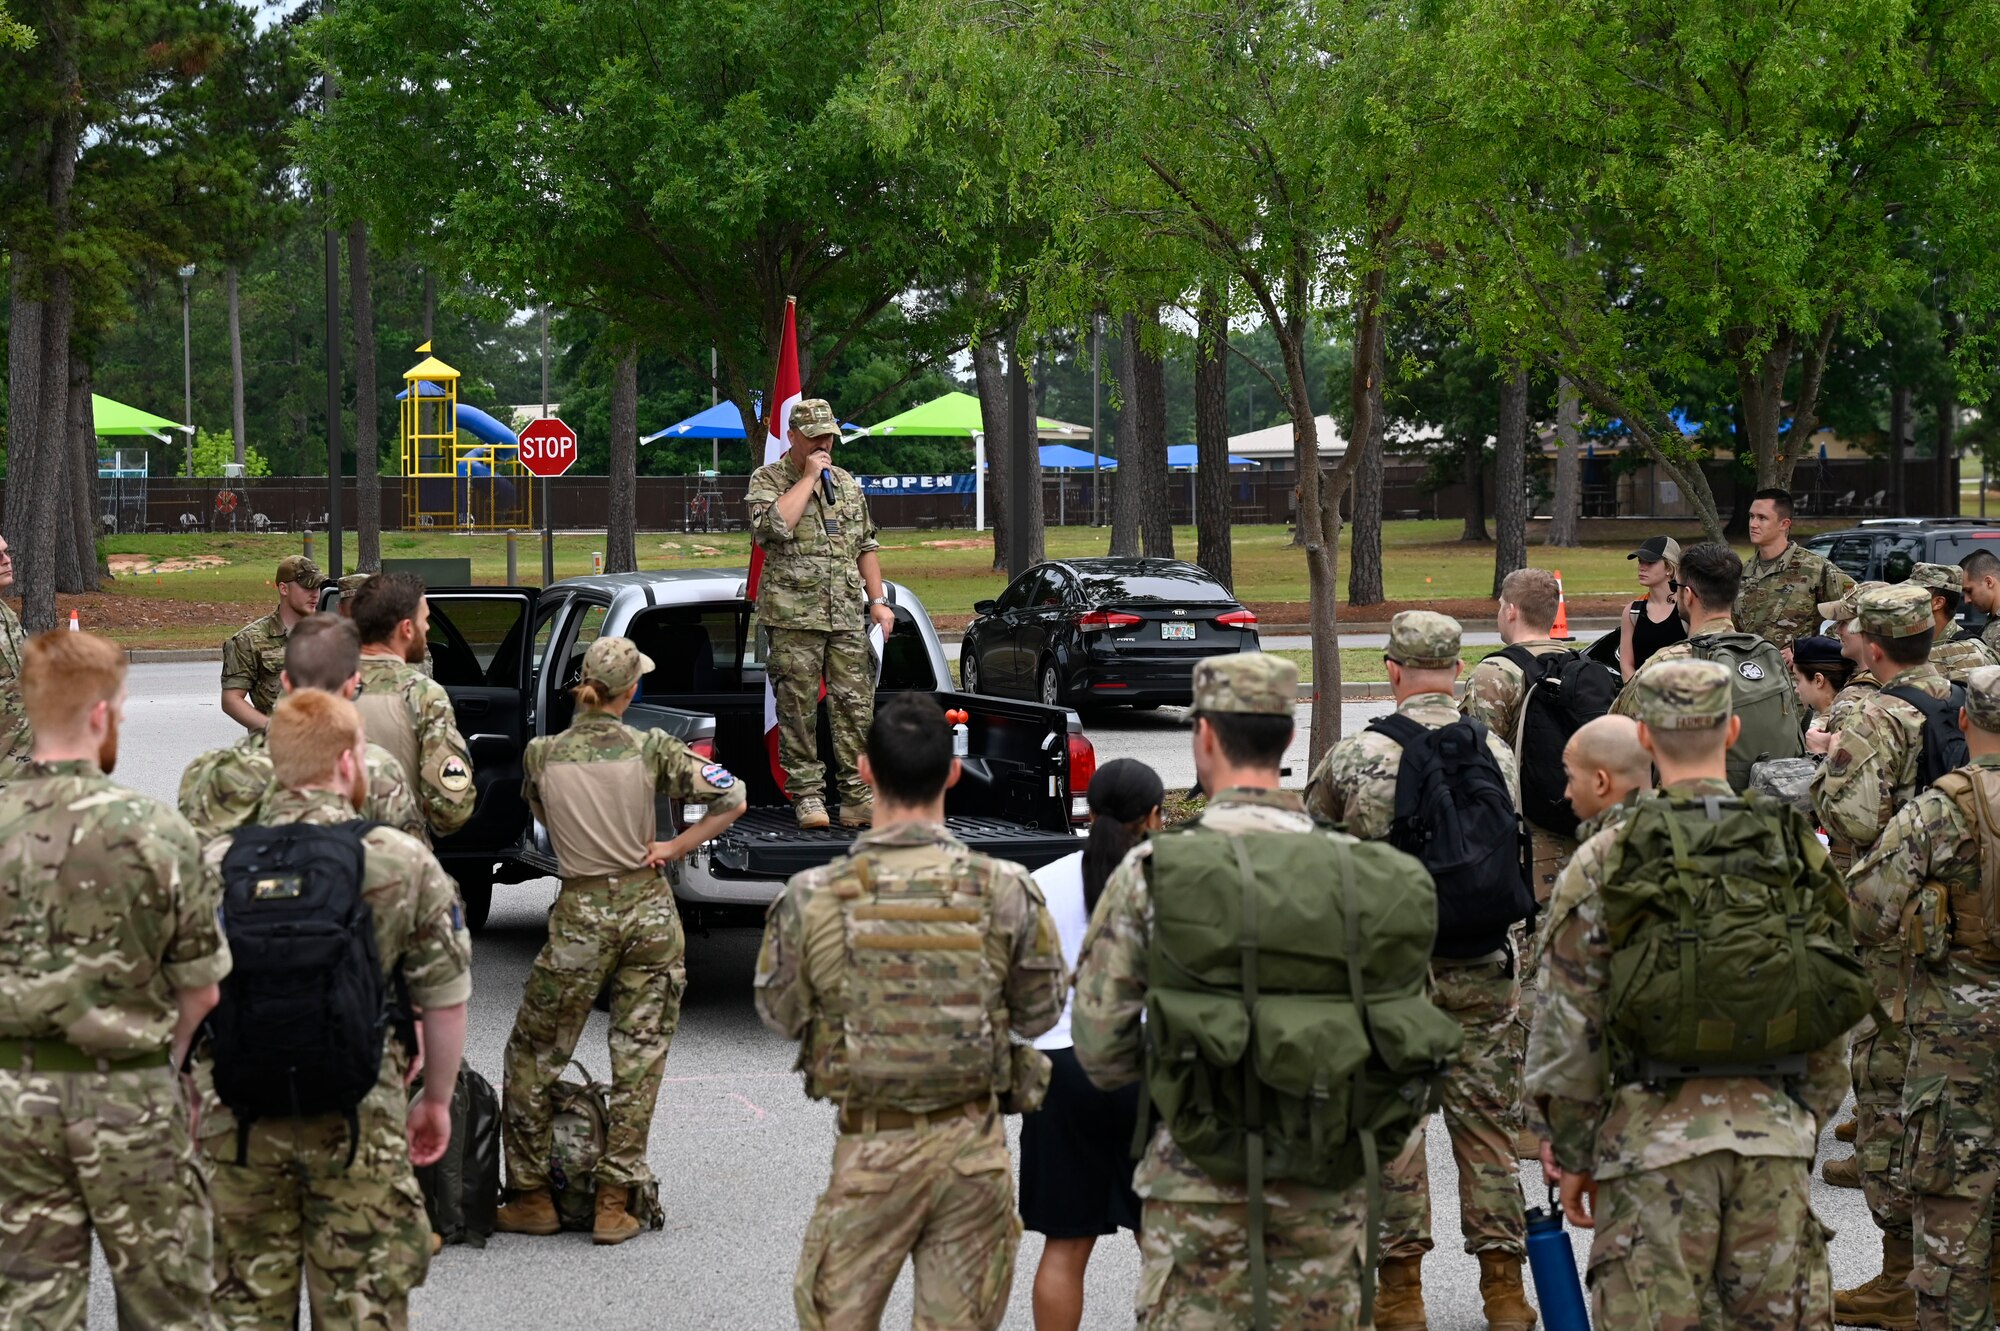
x,y
386,721
912,1013
1975,912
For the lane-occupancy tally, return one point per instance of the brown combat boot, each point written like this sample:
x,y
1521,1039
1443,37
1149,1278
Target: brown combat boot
x,y
1507,1306
1841,1173
1844,1131
811,812
857,815
1399,1295
530,1212
1887,1301
614,1224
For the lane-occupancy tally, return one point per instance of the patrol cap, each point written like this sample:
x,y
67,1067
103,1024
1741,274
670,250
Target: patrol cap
x,y
1682,694
1658,549
299,569
1900,611
1424,640
1248,682
1848,606
352,584
1982,697
1938,577
814,417
616,663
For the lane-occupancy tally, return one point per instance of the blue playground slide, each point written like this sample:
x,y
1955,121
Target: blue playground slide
x,y
499,494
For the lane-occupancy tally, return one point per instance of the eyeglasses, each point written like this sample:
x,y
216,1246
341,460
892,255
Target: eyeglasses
x,y
1673,586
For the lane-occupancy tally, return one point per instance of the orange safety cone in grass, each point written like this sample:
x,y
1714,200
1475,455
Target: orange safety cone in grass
x,y
1561,631
74,627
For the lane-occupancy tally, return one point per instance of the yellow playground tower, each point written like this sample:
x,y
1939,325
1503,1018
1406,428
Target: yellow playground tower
x,y
457,472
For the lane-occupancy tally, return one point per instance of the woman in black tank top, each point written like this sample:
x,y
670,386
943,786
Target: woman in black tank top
x,y
1654,622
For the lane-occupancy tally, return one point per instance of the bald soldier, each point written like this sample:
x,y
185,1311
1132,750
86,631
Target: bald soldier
x,y
1355,785
1607,767
405,710
1956,654
255,655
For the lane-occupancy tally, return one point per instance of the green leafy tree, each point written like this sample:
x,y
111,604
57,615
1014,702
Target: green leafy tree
x,y
213,450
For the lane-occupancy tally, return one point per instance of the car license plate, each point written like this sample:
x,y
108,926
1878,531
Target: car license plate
x,y
1177,631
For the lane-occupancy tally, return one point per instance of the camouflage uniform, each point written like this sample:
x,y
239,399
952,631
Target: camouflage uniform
x,y
810,601
359,1226
252,659
1780,597
1193,1237
409,714
593,787
1702,1184
1929,859
104,915
1954,656
919,1170
16,738
1481,1093
1869,773
1846,704
224,788
1990,635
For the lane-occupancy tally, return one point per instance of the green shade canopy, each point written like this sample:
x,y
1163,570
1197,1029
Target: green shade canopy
x,y
955,416
117,419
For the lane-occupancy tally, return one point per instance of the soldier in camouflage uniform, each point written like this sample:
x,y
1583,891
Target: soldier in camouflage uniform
x,y
406,711
819,555
1861,686
1955,652
1982,588
1355,784
1698,1188
253,658
1920,889
348,1208
110,954
911,970
223,788
1869,773
593,787
16,736
1784,584
1193,1238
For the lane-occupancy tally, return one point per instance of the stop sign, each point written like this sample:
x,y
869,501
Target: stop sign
x,y
548,447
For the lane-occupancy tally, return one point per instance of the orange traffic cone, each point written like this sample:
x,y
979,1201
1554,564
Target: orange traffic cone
x,y
1561,631
74,627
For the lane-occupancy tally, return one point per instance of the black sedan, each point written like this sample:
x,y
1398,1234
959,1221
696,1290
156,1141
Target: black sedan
x,y
1083,632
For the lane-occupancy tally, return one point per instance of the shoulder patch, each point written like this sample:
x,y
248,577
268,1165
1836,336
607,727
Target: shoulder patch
x,y
454,775
1750,670
717,775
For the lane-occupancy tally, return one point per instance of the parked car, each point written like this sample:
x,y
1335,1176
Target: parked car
x,y
1102,631
1885,549
509,656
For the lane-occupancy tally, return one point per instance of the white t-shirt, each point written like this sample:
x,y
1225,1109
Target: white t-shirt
x,y
1062,888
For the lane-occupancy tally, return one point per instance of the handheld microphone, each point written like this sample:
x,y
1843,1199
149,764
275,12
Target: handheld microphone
x,y
826,486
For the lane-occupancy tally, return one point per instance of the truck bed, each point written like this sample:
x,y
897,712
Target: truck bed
x,y
768,843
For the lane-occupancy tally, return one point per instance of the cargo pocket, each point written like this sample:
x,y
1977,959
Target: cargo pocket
x,y
1619,1292
1815,1274
1155,1270
1198,1043
1930,1161
1308,1049
990,1274
806,1279
1412,1035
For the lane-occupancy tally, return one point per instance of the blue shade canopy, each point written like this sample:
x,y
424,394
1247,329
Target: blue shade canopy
x,y
1065,458
721,421
1183,455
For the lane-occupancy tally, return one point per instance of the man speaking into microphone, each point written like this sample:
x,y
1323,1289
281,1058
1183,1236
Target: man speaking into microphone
x,y
820,569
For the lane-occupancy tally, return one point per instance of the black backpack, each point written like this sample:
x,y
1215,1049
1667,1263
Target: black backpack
x,y
1455,813
1944,743
462,1187
1562,691
306,1010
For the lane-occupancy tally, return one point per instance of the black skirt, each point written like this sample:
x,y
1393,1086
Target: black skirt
x,y
1076,1156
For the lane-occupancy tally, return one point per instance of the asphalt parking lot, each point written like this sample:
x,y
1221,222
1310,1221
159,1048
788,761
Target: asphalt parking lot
x,y
741,1153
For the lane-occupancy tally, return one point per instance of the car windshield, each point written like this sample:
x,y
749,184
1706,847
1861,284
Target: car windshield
x,y
1164,585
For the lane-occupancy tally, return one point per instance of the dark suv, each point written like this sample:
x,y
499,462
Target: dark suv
x,y
1884,549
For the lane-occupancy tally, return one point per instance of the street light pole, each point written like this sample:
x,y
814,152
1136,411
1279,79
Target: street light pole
x,y
187,367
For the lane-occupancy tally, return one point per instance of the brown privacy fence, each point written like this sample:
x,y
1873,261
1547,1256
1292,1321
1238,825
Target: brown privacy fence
x,y
1257,495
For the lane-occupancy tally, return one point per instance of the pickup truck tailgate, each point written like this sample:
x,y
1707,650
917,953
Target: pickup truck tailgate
x,y
769,844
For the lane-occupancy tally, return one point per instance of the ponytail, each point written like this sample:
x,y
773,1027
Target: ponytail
x,y
590,695
1123,794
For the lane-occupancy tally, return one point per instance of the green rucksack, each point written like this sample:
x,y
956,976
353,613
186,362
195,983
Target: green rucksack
x,y
579,1129
1729,956
1289,1030
1760,695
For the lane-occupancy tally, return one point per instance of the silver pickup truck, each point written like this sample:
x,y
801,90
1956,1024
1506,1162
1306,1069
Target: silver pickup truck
x,y
508,657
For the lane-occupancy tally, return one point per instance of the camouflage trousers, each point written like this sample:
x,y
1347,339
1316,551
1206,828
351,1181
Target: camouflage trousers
x,y
1194,1272
799,660
108,1154
357,1228
1481,1098
940,1195
1726,1233
1551,853
1951,1155
629,933
1879,1062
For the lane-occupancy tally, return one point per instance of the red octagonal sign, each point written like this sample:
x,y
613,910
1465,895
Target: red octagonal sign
x,y
548,447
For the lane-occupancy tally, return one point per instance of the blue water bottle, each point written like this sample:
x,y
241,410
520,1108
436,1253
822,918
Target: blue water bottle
x,y
1553,1263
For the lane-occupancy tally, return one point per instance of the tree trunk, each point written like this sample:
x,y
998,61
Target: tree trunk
x,y
1946,446
237,430
1473,478
1127,490
1148,466
1760,402
83,523
46,562
1510,476
367,444
1899,430
430,302
24,397
1029,512
1364,572
992,384
1565,516
621,552
1211,440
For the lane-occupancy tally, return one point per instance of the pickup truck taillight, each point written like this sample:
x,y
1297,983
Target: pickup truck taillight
x,y
1237,619
1106,619
703,749
1082,767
